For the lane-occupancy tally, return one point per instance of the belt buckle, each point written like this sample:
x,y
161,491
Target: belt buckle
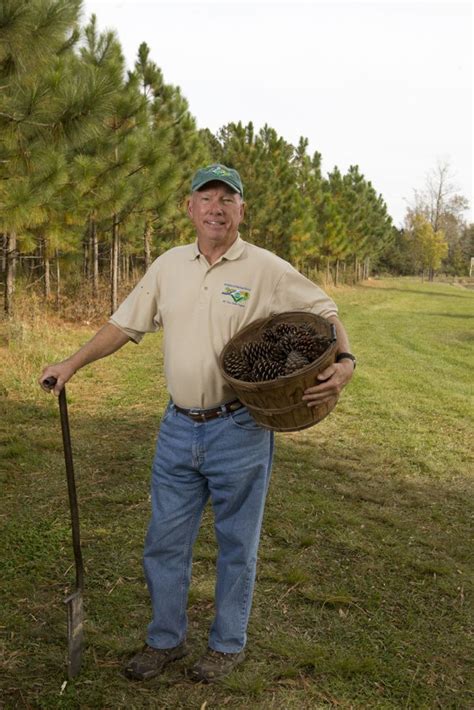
x,y
197,414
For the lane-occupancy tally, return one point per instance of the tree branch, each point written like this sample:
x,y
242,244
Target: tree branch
x,y
23,120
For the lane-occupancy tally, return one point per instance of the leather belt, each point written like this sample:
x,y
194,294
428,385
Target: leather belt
x,y
203,415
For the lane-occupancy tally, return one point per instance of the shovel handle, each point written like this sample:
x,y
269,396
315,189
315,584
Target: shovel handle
x,y
49,382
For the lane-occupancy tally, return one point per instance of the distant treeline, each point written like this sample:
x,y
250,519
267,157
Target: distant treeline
x,y
96,160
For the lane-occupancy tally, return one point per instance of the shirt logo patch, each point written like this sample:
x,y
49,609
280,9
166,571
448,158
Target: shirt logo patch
x,y
235,295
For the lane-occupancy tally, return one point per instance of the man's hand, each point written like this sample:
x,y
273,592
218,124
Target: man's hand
x,y
332,380
61,371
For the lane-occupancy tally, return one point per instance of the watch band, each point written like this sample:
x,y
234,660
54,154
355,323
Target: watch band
x,y
346,356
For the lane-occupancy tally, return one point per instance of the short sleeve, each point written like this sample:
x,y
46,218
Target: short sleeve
x,y
294,292
139,312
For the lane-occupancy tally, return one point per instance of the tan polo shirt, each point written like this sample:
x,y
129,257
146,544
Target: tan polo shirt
x,y
200,307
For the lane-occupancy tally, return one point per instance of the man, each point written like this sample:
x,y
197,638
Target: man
x,y
209,446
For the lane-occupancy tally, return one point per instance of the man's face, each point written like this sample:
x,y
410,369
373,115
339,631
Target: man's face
x,y
216,211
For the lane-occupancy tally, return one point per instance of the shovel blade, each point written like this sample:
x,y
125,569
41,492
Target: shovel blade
x,y
75,632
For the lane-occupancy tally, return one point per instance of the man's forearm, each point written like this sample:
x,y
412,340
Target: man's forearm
x,y
343,345
106,341
335,376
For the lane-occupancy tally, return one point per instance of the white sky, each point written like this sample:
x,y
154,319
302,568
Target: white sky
x,y
384,84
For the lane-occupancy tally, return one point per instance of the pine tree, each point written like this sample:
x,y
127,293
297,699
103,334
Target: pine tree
x,y
42,115
264,162
29,39
170,119
304,242
364,224
110,160
332,234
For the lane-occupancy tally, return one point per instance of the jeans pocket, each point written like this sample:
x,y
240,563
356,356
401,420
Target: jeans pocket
x,y
168,411
244,420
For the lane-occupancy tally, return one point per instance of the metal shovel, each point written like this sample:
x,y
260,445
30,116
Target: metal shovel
x,y
75,609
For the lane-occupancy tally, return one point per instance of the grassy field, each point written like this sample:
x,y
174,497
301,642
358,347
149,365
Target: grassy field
x,y
364,589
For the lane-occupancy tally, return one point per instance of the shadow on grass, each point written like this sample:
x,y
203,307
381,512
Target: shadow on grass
x,y
409,290
448,315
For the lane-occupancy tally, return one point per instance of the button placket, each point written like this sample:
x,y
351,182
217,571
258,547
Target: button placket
x,y
204,292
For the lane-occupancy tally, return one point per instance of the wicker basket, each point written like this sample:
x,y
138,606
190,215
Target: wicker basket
x,y
277,404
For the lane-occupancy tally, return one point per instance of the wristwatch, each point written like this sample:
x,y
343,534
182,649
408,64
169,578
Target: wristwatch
x,y
346,356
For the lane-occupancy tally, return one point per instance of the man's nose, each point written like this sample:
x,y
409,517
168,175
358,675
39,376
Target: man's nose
x,y
216,206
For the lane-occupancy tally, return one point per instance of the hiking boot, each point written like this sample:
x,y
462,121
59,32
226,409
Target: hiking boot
x,y
215,665
150,661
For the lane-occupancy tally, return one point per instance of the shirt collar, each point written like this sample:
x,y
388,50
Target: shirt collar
x,y
233,252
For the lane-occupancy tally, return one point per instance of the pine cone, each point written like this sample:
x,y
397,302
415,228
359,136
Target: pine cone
x,y
275,369
321,344
285,344
295,361
263,369
311,346
307,345
278,354
255,350
248,376
306,329
235,365
285,329
269,336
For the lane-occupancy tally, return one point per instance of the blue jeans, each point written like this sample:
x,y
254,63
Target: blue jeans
x,y
229,460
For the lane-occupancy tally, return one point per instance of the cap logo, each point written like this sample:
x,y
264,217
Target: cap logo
x,y
219,170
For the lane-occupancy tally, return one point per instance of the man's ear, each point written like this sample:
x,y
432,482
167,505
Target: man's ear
x,y
189,207
242,210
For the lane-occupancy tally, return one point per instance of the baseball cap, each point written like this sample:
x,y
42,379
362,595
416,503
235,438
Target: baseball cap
x,y
216,171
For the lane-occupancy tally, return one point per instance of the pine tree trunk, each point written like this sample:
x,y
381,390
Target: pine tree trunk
x,y
366,268
4,253
124,268
10,272
47,278
147,244
336,277
114,266
86,243
46,268
95,258
356,269
58,280
328,271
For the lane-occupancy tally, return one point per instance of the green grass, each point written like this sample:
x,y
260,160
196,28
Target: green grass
x,y
364,589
